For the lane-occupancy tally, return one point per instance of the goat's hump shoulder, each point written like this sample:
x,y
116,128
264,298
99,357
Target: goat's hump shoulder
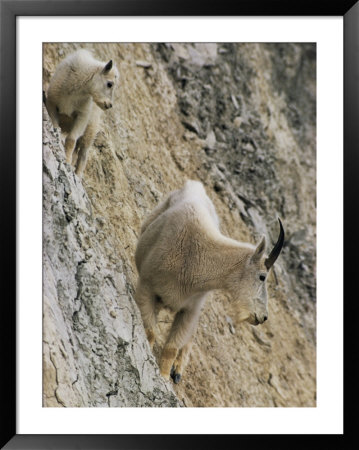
x,y
194,186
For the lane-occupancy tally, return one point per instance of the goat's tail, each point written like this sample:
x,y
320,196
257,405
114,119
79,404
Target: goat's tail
x,y
44,97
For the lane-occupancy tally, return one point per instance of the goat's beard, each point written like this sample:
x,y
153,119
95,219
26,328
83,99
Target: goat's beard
x,y
241,311
243,315
252,320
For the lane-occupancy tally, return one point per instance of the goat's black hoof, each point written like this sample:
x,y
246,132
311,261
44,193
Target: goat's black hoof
x,y
176,377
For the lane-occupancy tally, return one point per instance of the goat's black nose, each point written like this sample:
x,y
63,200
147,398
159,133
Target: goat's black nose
x,y
265,318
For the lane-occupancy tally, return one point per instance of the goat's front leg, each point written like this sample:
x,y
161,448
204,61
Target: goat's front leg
x,y
147,306
183,328
85,141
78,128
84,144
180,362
70,143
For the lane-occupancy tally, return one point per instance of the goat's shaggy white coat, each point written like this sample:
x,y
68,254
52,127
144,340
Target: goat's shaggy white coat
x,y
181,256
80,88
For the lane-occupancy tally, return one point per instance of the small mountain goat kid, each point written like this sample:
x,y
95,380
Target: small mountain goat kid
x,y
181,256
79,87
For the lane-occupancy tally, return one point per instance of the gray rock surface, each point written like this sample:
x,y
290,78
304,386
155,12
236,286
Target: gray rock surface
x,y
95,349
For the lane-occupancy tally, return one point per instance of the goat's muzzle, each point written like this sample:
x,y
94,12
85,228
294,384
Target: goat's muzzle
x,y
259,320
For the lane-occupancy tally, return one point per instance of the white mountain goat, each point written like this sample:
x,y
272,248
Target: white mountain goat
x,y
79,87
181,256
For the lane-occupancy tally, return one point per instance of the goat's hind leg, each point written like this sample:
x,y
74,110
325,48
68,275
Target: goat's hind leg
x,y
146,303
75,154
51,109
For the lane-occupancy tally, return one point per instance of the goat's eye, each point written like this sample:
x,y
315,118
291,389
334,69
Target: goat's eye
x,y
262,277
109,84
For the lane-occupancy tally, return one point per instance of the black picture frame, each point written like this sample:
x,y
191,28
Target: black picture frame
x,y
9,10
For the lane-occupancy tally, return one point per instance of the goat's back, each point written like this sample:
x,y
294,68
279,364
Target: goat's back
x,y
185,218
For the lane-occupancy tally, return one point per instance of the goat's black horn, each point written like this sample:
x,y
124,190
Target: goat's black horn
x,y
276,249
108,66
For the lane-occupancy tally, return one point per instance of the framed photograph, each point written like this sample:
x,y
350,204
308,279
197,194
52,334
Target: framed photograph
x,y
176,181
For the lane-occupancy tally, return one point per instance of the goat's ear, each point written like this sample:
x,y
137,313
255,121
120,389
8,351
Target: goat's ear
x,y
108,66
259,251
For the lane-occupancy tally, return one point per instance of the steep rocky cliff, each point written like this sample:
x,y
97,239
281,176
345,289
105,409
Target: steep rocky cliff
x,y
240,118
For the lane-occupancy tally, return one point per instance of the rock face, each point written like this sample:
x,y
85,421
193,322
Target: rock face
x,y
95,351
241,119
